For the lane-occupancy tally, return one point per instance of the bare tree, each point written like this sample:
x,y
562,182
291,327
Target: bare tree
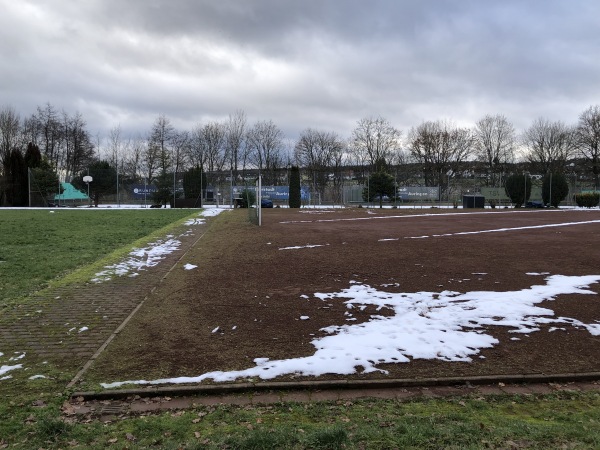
x,y
197,147
161,137
319,152
495,142
213,135
439,146
30,131
587,136
374,141
234,139
51,133
77,149
549,144
115,146
10,127
265,143
150,160
180,145
133,156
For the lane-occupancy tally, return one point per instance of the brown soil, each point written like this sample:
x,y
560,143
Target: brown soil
x,y
244,280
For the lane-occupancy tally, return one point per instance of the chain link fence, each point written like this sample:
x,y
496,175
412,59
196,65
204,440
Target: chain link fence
x,y
345,187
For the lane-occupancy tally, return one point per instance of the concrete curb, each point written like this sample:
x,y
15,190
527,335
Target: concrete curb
x,y
195,390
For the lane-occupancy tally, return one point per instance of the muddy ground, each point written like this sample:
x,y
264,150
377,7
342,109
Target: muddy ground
x,y
252,286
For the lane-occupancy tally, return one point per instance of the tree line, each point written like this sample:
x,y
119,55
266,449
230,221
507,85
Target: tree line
x,y
235,146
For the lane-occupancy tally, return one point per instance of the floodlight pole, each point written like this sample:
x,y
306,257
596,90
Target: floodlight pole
x,y
174,172
525,193
259,199
118,197
550,189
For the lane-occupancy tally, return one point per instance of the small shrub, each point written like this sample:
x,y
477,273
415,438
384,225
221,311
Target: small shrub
x,y
248,198
587,199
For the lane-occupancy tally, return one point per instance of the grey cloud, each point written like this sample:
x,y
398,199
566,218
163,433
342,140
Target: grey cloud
x,y
314,63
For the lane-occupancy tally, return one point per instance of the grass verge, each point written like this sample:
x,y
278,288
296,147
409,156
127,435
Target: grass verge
x,y
562,420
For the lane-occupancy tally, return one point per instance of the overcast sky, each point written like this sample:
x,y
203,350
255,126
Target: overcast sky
x,y
301,63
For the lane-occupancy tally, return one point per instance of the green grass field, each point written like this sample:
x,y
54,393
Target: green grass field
x,y
38,247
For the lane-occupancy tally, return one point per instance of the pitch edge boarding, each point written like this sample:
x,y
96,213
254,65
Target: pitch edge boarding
x,y
161,391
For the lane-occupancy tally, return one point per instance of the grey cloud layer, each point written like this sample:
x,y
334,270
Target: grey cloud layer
x,y
322,64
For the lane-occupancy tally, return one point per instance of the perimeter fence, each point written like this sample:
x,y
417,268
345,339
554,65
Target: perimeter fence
x,y
318,189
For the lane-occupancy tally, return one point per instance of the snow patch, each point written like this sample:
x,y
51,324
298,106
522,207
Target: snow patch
x,y
447,326
6,369
37,377
303,246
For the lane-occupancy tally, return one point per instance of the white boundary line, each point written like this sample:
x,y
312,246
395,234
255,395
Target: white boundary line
x,y
499,230
417,215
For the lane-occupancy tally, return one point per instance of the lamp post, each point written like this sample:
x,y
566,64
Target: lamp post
x,y
87,180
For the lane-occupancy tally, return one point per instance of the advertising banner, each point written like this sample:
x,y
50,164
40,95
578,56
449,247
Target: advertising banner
x,y
498,194
275,193
141,191
419,193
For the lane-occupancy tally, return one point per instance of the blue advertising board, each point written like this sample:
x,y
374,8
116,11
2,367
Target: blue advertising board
x,y
281,193
141,191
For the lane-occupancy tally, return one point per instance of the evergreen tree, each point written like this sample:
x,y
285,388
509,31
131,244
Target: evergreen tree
x,y
295,195
194,182
15,178
33,156
248,197
518,189
164,189
380,185
44,180
555,189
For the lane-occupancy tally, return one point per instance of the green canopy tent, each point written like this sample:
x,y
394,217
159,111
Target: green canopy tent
x,y
70,194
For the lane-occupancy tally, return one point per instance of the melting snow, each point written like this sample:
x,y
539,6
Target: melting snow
x,y
303,246
6,369
150,255
448,326
190,266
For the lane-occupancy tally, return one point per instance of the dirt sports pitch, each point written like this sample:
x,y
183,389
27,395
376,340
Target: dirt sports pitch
x,y
253,286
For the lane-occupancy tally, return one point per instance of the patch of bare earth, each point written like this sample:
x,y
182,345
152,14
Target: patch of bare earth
x,y
250,289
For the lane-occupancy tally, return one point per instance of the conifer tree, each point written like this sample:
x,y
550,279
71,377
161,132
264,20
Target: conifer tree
x,y
295,197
